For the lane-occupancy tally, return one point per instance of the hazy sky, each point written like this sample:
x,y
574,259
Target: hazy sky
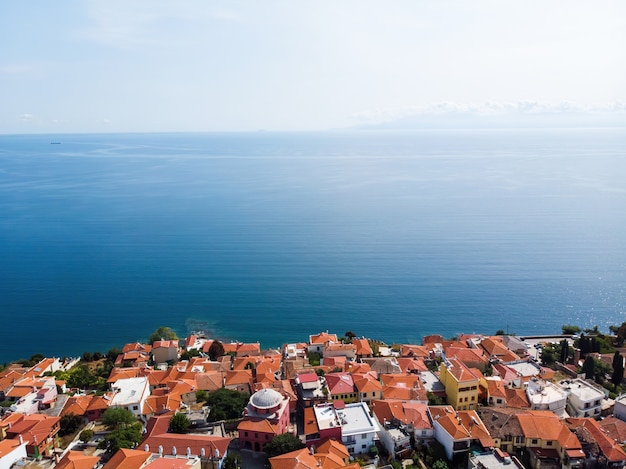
x,y
100,66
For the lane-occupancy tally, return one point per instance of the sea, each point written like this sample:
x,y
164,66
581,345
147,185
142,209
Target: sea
x,y
271,237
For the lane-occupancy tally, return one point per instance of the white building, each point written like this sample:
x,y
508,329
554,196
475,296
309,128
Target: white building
x,y
619,410
583,399
546,396
359,430
130,394
11,451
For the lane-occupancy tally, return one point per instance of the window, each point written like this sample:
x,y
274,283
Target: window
x,y
534,442
135,407
245,433
363,446
363,436
549,443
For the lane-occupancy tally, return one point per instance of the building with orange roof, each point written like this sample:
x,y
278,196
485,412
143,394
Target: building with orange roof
x,y
457,430
614,428
248,350
412,416
461,384
239,380
158,440
11,451
122,373
156,404
405,386
317,341
128,459
329,455
596,444
339,350
412,365
164,351
210,381
77,460
472,357
368,387
495,348
39,432
363,348
341,387
134,354
337,363
265,416
414,351
548,439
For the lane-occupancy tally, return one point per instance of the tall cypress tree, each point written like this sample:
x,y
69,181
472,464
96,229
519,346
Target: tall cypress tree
x,y
589,367
618,369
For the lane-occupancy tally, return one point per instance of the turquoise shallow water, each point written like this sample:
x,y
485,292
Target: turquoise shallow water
x,y
271,237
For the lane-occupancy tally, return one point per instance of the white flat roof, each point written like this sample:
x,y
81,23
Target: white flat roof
x,y
355,419
129,391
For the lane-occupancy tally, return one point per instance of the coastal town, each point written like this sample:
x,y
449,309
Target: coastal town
x,y
332,402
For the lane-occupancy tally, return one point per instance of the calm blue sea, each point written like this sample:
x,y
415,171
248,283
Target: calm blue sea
x,y
274,236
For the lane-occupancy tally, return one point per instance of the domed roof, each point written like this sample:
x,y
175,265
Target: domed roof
x,y
266,399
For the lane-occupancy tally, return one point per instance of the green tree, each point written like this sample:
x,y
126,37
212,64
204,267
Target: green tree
x,y
314,358
564,351
123,437
226,404
118,417
232,461
179,423
189,354
86,435
201,395
568,329
440,464
162,333
433,399
548,355
69,424
282,444
216,350
124,429
589,367
618,369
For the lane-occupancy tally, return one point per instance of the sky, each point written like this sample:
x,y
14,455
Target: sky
x,y
202,65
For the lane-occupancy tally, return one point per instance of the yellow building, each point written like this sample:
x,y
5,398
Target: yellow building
x,y
461,384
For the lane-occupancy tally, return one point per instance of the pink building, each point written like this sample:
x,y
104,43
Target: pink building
x,y
265,416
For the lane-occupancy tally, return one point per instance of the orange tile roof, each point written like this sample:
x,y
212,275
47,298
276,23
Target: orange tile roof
x,y
545,425
461,372
611,450
415,365
157,435
77,460
257,425
303,459
339,383
414,351
127,459
234,378
362,347
366,383
322,338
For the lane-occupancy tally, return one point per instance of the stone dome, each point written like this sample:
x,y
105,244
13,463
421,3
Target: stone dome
x,y
266,399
